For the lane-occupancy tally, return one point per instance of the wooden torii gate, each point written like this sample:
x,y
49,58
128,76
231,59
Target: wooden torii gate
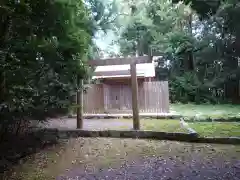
x,y
134,85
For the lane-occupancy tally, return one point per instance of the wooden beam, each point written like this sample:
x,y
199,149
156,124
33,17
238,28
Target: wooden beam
x,y
112,73
120,61
80,105
135,108
115,73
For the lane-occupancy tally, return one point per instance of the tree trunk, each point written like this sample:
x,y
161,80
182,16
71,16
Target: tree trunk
x,y
190,55
2,86
4,49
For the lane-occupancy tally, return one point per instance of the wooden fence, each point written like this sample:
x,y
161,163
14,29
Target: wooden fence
x,y
104,98
154,97
93,100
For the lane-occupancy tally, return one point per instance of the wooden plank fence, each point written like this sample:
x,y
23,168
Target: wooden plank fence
x,y
93,100
103,98
154,97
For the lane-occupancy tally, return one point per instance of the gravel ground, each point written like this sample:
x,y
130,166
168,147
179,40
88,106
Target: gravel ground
x,y
190,166
162,169
163,160
131,159
93,124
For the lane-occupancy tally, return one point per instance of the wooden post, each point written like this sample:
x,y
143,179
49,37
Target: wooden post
x,y
80,104
135,109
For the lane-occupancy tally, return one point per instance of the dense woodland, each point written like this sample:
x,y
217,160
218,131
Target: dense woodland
x,y
198,42
44,47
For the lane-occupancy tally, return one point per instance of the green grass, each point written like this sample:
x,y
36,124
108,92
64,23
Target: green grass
x,y
205,111
163,125
217,129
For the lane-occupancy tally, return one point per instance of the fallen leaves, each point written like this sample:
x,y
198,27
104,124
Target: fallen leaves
x,y
95,154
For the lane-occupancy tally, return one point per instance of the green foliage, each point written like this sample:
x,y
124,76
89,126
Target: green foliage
x,y
200,49
44,47
103,14
187,87
204,7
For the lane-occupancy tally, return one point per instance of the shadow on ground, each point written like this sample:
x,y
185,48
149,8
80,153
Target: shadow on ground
x,y
13,149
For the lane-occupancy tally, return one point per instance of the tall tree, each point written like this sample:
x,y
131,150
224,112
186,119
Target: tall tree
x,y
199,49
43,49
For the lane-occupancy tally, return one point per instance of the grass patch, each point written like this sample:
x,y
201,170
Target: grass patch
x,y
217,129
206,111
98,153
163,125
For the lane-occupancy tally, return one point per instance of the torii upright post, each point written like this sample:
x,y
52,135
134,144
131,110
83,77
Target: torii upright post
x,y
80,104
135,108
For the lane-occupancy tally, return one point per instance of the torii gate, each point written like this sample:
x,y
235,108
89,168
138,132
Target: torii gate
x,y
134,85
